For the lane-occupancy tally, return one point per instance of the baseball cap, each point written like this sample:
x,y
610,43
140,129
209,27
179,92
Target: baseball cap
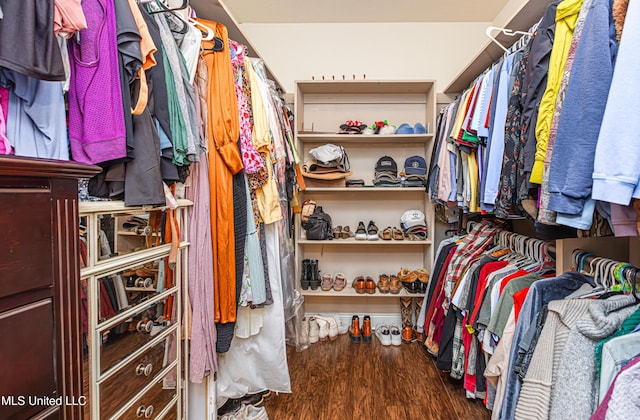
x,y
415,165
411,218
387,164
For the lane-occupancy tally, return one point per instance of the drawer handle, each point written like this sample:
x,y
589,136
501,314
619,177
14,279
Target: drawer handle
x,y
144,326
145,412
143,369
144,282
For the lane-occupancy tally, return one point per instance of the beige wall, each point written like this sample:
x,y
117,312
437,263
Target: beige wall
x,y
379,50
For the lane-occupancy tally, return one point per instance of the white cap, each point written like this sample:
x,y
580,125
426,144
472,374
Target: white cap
x,y
411,218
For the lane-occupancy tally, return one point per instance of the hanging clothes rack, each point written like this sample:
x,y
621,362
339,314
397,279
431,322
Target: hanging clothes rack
x,y
626,271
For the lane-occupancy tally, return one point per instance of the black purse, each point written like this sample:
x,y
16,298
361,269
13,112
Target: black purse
x,y
318,226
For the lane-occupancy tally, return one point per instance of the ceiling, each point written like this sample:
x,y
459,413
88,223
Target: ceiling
x,y
357,11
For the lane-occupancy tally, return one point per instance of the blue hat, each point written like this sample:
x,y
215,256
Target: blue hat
x,y
415,165
404,128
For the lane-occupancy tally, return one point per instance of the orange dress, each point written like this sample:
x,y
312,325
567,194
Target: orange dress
x,y
224,161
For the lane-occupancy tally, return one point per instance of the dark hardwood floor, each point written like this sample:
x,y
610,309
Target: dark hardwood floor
x,y
342,380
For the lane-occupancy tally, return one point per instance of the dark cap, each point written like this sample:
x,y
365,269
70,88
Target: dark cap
x,y
415,165
387,164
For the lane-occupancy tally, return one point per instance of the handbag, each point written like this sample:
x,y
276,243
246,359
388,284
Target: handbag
x,y
318,226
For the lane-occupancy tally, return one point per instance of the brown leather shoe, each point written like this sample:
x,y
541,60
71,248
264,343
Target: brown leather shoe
x,y
394,285
366,329
359,284
383,283
354,330
370,285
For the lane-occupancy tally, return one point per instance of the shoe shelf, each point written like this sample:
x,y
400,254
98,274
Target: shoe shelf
x,y
365,189
379,242
351,292
365,140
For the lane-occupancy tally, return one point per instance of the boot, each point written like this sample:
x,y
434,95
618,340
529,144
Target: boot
x,y
366,329
304,280
354,330
406,311
417,307
314,278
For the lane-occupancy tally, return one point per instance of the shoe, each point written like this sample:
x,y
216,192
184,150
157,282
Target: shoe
x,y
397,234
332,326
386,234
323,328
423,275
234,406
372,231
314,278
346,233
418,128
404,128
387,130
360,285
370,285
366,329
342,328
304,280
368,131
339,282
314,330
383,283
394,285
337,232
252,412
384,335
361,232
417,308
406,311
396,336
407,334
354,330
327,282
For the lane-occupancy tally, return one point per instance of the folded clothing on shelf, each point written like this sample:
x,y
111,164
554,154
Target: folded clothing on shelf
x,y
414,173
329,162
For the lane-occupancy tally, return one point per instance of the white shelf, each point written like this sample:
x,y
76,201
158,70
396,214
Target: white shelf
x,y
345,87
379,242
365,140
366,189
351,292
118,206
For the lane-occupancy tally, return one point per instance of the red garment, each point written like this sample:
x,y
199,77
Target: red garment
x,y
510,277
518,300
482,285
106,310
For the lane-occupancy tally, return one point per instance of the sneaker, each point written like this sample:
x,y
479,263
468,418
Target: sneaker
x,y
361,232
323,328
387,130
250,412
342,328
384,335
418,128
372,231
327,282
304,335
366,329
314,330
396,336
354,330
404,128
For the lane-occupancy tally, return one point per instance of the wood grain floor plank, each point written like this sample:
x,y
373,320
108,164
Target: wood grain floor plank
x,y
342,380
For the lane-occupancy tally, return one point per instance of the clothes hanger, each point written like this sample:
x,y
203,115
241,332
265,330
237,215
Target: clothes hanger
x,y
505,31
166,9
203,28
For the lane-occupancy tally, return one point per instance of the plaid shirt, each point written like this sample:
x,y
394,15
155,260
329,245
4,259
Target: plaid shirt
x,y
470,247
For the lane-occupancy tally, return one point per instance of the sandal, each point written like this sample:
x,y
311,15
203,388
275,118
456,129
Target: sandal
x,y
337,232
339,282
394,285
397,234
327,282
383,283
359,284
346,233
386,234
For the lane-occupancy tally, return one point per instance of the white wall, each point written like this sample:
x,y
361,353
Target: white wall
x,y
379,50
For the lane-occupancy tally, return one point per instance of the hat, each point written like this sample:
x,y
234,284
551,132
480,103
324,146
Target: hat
x,y
387,164
327,153
415,165
311,169
411,218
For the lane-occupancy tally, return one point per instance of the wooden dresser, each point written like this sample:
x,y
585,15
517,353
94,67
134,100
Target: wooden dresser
x,y
40,321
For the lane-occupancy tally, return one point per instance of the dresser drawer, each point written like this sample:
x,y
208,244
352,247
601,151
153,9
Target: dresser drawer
x,y
172,414
132,334
131,287
24,234
153,401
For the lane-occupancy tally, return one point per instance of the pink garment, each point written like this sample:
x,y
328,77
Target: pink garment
x,y
601,412
5,146
252,160
624,220
68,18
